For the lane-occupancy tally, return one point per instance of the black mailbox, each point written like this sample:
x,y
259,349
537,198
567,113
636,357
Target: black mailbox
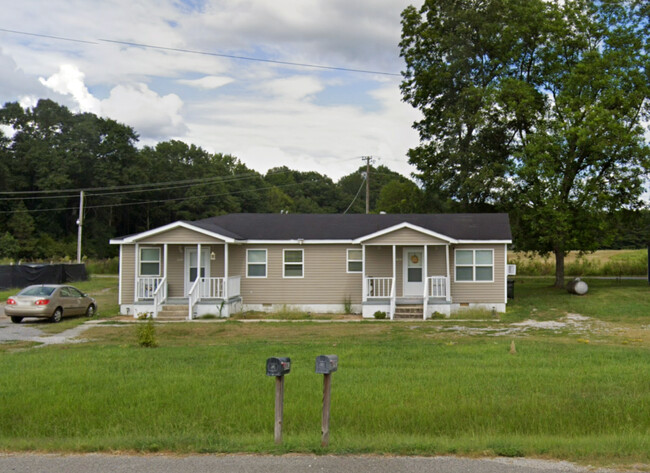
x,y
326,364
278,366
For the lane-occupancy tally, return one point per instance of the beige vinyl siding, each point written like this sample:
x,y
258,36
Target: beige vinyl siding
x,y
180,235
405,237
128,274
480,292
324,281
379,261
436,264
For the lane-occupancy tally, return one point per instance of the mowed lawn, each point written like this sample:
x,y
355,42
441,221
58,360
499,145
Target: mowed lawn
x,y
402,387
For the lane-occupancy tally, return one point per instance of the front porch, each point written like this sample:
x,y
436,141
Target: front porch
x,y
185,277
212,295
419,284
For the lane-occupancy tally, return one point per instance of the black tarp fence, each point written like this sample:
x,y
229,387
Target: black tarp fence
x,y
21,275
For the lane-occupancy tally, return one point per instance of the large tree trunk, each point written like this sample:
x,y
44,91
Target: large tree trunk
x,y
559,267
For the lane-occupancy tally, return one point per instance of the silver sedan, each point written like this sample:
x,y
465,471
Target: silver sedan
x,y
50,301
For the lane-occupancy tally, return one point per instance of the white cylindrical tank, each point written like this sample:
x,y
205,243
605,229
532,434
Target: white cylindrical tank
x,y
577,286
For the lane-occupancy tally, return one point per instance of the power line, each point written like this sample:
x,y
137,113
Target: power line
x,y
157,201
60,38
205,53
355,197
125,189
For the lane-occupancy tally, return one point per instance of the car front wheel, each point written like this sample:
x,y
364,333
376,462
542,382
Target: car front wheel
x,y
57,315
90,311
16,320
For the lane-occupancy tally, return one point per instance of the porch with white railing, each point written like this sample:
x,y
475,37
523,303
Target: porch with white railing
x,y
147,286
381,288
436,287
213,288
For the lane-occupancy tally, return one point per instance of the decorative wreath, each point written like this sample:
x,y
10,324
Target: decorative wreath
x,y
415,259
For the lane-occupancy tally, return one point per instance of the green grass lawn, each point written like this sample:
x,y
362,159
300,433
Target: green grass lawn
x,y
608,300
402,387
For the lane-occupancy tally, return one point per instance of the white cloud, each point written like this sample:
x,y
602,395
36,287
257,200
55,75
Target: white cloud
x,y
207,82
70,81
293,88
152,115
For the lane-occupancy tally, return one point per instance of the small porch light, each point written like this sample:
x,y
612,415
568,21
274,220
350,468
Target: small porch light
x,y
213,256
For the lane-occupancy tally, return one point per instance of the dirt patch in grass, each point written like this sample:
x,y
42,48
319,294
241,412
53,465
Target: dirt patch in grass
x,y
17,345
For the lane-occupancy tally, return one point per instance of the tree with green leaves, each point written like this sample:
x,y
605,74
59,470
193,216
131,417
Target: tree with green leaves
x,y
536,107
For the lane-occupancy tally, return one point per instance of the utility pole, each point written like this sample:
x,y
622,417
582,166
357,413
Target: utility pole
x,y
368,160
80,223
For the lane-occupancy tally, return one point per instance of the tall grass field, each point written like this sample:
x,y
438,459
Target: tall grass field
x,y
600,263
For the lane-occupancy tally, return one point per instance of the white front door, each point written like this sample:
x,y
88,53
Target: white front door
x,y
412,271
192,270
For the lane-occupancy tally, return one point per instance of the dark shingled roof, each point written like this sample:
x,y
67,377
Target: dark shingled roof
x,y
351,226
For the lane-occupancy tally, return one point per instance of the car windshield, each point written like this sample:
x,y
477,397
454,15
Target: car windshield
x,y
37,291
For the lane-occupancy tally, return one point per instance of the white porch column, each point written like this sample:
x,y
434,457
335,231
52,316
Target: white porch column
x,y
394,271
137,270
448,274
225,271
165,261
425,296
119,279
364,296
198,266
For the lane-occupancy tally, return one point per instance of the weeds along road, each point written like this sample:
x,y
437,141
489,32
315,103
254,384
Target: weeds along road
x,y
96,463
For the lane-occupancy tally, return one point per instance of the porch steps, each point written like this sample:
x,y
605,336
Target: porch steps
x,y
409,311
173,312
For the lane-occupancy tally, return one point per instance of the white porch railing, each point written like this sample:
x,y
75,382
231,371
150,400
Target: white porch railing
x,y
379,288
159,296
220,288
212,288
146,287
437,286
194,296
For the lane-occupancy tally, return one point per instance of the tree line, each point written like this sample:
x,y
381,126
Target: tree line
x,y
48,154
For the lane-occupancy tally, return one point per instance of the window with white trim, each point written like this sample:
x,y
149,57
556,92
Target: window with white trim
x,y
355,261
293,263
149,261
474,265
256,263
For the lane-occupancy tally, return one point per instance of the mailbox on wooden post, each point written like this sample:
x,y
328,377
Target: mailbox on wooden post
x,y
278,367
326,365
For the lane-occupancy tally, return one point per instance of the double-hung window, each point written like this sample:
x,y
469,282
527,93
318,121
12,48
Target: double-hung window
x,y
474,265
256,263
293,263
149,261
355,261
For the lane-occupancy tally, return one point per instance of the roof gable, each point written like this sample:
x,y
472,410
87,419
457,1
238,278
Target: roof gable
x,y
172,233
405,233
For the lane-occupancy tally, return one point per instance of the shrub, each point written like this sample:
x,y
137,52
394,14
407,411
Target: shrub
x,y
347,305
147,334
380,314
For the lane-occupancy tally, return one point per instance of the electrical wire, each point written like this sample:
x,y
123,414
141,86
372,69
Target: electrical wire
x,y
355,197
157,201
205,53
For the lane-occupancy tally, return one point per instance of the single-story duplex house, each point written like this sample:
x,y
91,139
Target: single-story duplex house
x,y
401,264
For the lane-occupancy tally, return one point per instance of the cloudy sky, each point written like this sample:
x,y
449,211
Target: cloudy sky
x,y
266,114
